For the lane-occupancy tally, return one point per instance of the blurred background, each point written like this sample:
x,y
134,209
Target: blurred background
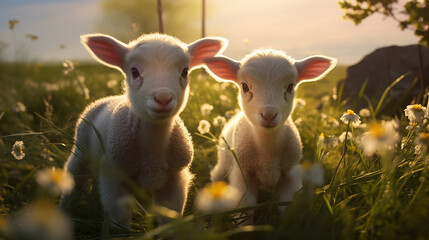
x,y
299,28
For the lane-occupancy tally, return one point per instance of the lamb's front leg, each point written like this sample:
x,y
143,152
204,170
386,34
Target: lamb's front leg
x,y
287,186
111,194
248,189
174,192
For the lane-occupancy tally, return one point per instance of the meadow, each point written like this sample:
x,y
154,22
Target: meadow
x,y
375,180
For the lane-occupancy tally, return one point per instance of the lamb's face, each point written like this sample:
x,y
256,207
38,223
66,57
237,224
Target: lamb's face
x,y
267,89
157,78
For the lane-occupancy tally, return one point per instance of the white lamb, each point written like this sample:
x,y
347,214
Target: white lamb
x,y
263,135
139,136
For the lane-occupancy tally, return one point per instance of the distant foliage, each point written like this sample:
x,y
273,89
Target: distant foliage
x,y
415,12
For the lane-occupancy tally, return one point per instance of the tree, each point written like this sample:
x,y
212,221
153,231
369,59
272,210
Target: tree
x,y
415,13
128,19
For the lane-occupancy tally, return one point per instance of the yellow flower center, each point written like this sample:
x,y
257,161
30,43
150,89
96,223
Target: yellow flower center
x,y
377,130
350,112
322,135
306,164
417,107
56,176
217,189
20,149
424,136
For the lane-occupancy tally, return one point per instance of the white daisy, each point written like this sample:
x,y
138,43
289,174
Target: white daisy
x,y
327,141
18,150
57,181
18,107
415,113
309,172
300,103
364,112
206,109
219,121
381,137
342,137
204,127
41,221
411,126
350,117
216,197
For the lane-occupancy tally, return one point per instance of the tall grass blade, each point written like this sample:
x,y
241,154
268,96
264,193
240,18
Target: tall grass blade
x,y
383,96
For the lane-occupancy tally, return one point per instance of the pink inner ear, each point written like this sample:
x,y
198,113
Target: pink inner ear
x,y
203,52
105,52
223,68
313,69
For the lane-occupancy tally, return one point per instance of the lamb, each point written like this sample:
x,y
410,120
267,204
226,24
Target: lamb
x,y
138,135
266,142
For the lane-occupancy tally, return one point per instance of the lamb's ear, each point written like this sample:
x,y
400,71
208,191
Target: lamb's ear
x,y
314,68
204,48
105,49
222,68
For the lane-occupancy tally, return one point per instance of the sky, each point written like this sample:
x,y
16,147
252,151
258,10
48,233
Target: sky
x,y
298,27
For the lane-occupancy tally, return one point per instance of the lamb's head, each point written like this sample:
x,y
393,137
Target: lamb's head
x,y
156,69
267,80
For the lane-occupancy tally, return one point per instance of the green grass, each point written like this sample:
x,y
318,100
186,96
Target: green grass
x,y
379,197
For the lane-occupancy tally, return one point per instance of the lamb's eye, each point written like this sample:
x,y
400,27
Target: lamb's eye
x,y
185,72
245,87
135,72
290,88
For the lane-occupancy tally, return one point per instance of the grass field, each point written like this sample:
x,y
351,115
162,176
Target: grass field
x,y
364,196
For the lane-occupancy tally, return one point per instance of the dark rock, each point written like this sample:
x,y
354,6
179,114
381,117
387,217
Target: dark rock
x,y
381,68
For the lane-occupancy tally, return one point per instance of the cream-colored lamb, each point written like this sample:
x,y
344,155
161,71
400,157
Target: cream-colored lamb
x,y
141,138
263,135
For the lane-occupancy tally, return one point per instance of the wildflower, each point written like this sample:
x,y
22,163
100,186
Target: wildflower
x,y
411,126
300,103
57,181
421,141
206,109
381,137
46,154
418,149
364,112
18,107
328,142
18,150
112,83
324,99
415,113
68,68
41,221
12,24
334,94
298,121
309,172
350,117
342,137
204,127
229,114
223,98
332,122
219,121
215,197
